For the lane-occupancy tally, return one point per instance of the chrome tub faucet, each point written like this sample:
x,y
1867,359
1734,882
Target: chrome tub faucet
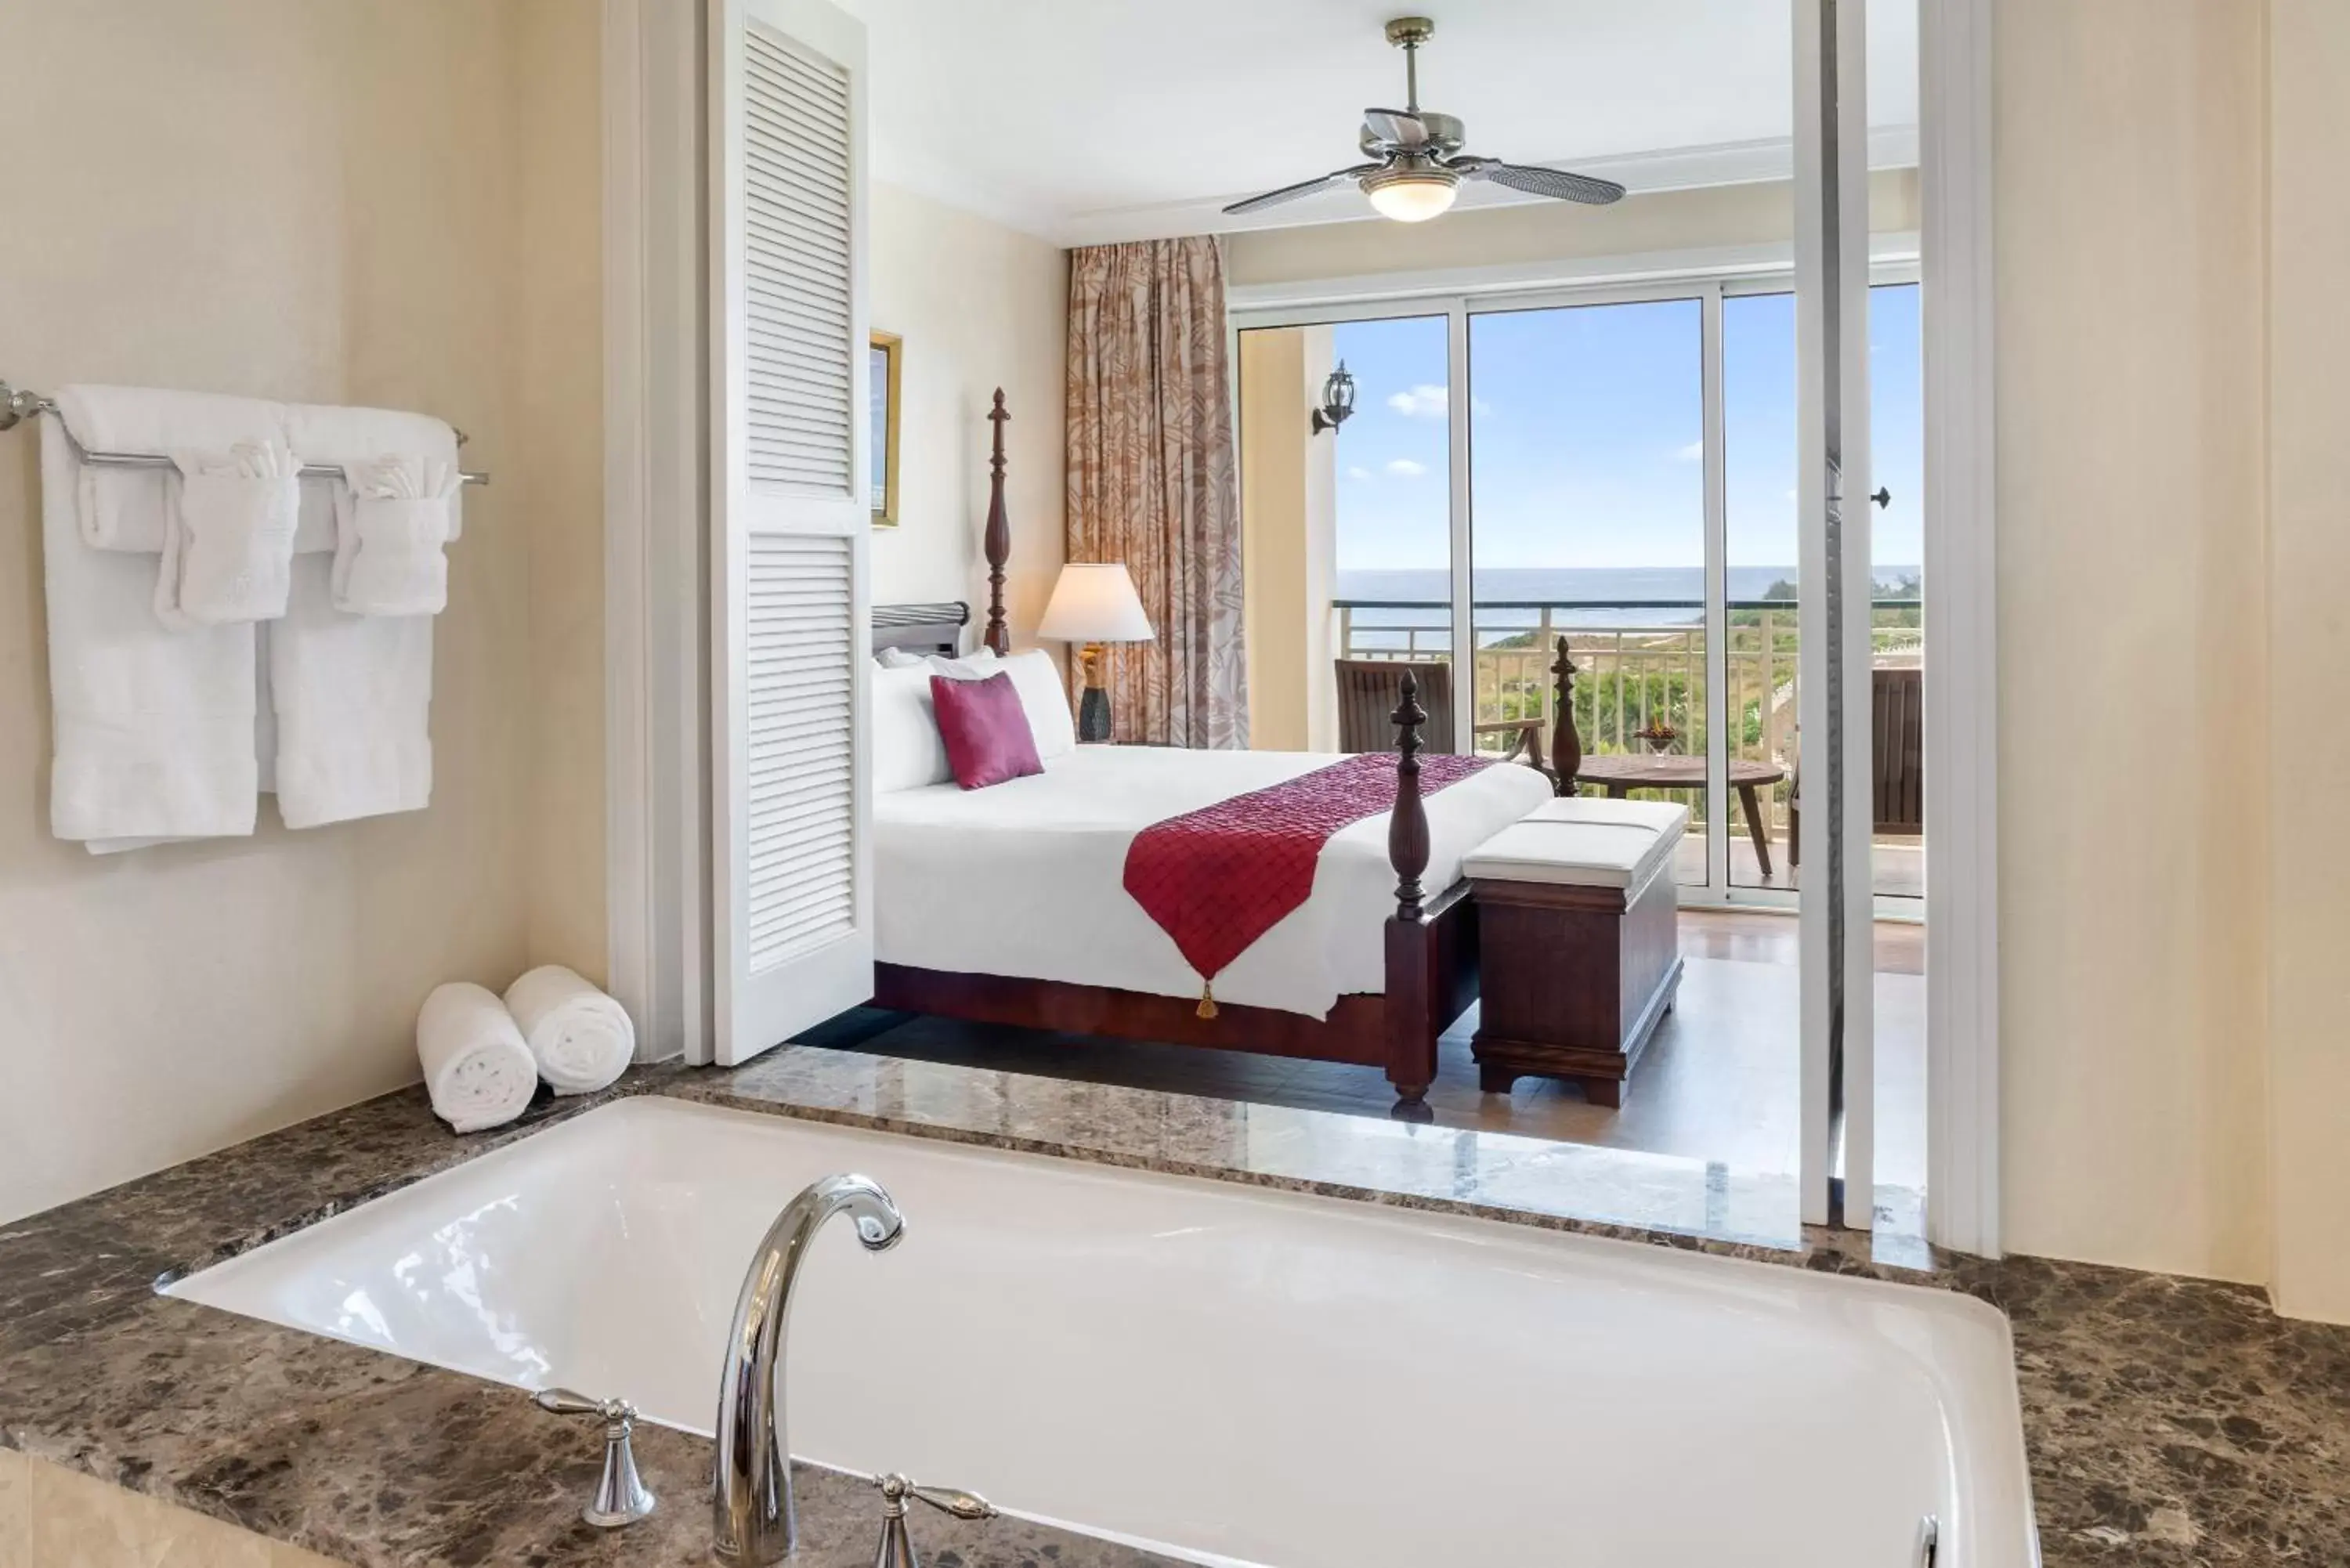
x,y
752,1514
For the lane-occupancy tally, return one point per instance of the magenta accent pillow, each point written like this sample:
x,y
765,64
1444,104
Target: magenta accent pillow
x,y
986,729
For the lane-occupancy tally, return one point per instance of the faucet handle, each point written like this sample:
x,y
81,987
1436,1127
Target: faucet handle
x,y
621,1496
564,1402
896,1488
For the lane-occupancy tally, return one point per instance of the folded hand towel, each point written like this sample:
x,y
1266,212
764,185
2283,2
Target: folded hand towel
x,y
581,1038
122,508
153,729
228,537
328,437
476,1067
391,518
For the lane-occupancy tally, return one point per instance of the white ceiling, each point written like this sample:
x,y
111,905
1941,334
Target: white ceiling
x,y
1088,121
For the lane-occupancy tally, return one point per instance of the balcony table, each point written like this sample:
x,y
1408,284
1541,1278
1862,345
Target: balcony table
x,y
1621,774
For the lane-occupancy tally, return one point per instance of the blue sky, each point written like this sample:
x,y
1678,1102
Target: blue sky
x,y
1585,433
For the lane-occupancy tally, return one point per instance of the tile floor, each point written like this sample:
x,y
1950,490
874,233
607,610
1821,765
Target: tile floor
x,y
1719,1083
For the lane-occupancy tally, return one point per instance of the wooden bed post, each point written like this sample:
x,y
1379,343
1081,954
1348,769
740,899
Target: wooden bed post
x,y
1412,998
997,635
1565,742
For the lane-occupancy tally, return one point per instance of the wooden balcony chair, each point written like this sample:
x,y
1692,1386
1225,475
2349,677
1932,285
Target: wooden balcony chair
x,y
1896,781
1370,688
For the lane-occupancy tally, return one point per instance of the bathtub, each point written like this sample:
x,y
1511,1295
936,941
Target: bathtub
x,y
1227,1374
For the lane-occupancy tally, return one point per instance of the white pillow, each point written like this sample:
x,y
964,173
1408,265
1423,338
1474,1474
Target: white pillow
x,y
1036,675
899,658
964,666
907,751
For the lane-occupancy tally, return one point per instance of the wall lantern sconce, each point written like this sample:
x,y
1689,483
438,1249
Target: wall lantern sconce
x,y
1338,400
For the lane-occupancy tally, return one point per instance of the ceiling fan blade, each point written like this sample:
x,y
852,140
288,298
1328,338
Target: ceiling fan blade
x,y
1303,187
1396,127
1536,181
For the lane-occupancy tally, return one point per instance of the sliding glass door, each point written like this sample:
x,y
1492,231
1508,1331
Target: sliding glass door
x,y
1587,521
1620,471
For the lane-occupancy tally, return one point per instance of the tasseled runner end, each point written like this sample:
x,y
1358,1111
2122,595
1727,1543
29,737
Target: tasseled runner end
x,y
1207,1001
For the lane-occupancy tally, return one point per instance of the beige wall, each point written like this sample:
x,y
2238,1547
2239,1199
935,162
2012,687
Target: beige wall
x,y
980,307
1273,534
316,202
1288,533
1540,232
2131,644
556,384
2309,654
51,1516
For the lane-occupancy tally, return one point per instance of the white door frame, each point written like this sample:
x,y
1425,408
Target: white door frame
x,y
656,510
655,783
1962,1035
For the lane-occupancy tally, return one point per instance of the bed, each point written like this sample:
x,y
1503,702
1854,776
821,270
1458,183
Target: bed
x,y
1005,905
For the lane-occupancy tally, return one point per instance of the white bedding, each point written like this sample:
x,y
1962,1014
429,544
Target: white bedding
x,y
1027,878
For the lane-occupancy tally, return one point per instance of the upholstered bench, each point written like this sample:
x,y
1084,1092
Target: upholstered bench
x,y
1580,950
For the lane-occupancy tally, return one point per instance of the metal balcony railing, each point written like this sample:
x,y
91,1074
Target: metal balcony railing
x,y
1635,663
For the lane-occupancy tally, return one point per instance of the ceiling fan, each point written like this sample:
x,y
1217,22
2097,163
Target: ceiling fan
x,y
1420,162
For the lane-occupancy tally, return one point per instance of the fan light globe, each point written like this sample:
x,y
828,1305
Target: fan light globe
x,y
1410,198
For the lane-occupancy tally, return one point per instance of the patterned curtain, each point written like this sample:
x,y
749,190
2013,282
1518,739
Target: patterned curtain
x,y
1152,481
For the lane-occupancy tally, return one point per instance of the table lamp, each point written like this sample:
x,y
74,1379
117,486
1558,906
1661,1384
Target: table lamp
x,y
1093,604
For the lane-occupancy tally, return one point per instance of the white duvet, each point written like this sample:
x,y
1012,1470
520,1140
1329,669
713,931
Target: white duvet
x,y
1027,878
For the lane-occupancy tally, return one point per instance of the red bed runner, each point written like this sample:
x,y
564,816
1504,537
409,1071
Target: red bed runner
x,y
1218,879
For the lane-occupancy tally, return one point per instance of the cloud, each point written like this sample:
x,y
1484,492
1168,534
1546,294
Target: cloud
x,y
1356,471
1428,401
1693,452
1404,468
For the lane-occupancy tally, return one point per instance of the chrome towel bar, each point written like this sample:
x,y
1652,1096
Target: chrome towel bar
x,y
17,405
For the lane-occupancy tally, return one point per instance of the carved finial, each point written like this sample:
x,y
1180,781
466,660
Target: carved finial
x,y
1565,740
1408,718
1408,823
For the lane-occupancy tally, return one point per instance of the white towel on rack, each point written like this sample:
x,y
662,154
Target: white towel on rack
x,y
476,1067
353,698
123,508
228,535
153,728
581,1038
352,694
327,437
392,518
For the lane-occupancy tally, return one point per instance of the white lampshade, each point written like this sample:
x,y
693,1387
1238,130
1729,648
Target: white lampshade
x,y
1095,602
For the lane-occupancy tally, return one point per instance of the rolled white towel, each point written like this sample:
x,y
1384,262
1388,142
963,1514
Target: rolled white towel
x,y
479,1070
581,1038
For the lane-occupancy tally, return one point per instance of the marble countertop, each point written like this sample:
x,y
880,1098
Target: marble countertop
x,y
2170,1421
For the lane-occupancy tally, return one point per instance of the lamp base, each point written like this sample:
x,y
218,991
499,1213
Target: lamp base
x,y
1093,716
1093,707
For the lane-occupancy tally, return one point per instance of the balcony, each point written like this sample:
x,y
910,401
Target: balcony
x,y
1641,667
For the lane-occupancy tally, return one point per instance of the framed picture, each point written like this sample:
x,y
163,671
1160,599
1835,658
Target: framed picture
x,y
884,359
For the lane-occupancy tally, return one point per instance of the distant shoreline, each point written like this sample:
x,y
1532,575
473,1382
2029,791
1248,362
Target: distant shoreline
x,y
1599,586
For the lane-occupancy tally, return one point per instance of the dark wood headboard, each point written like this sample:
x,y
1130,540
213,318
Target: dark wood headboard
x,y
920,628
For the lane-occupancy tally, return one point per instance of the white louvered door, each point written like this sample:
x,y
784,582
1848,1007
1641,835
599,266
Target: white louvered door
x,y
793,925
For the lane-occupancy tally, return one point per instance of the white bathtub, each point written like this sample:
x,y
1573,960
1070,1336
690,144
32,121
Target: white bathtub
x,y
1226,1373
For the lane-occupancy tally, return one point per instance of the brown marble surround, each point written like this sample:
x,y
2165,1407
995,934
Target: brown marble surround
x,y
2170,1421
